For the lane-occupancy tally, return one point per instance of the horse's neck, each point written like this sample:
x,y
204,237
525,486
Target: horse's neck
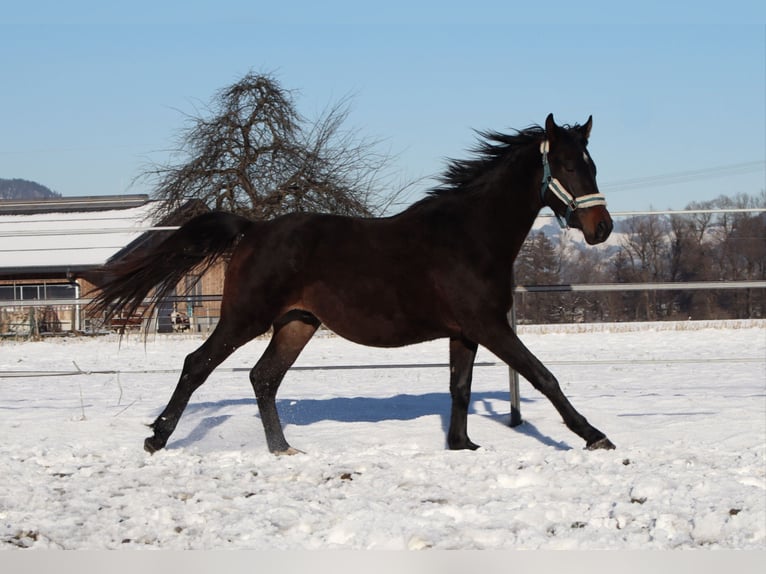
x,y
512,207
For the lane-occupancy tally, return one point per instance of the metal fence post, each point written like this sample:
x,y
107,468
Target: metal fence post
x,y
513,376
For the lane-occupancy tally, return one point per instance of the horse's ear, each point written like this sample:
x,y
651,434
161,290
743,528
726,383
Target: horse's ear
x,y
550,128
586,127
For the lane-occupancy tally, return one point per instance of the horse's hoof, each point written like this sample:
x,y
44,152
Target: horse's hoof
x,y
290,451
601,444
150,447
464,445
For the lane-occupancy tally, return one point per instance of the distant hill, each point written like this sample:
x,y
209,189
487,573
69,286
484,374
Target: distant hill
x,y
21,189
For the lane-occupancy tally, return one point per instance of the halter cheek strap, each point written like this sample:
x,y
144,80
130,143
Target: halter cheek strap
x,y
557,188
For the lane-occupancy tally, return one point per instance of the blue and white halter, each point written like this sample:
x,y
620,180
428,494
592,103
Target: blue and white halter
x,y
572,203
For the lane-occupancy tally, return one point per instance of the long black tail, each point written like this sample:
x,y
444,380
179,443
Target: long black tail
x,y
198,243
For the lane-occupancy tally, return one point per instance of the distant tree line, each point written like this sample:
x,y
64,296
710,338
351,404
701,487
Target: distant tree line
x,y
676,248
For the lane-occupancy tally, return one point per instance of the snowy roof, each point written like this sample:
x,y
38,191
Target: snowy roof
x,y
73,236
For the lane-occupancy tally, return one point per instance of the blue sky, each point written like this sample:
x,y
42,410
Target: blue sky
x,y
92,92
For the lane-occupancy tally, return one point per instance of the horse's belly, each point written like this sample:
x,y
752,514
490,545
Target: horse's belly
x,y
384,334
379,319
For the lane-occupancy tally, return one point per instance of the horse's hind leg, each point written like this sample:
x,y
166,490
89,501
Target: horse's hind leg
x,y
291,333
462,354
198,365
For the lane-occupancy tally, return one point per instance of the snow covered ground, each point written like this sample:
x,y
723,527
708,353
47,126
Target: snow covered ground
x,y
686,408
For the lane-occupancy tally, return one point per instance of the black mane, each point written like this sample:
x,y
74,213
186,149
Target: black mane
x,y
492,148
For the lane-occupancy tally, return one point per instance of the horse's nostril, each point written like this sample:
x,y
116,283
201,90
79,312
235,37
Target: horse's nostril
x,y
603,229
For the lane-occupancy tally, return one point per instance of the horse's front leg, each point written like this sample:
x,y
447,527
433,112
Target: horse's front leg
x,y
291,333
504,343
462,354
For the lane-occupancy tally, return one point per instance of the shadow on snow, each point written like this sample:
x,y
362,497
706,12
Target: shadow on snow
x,y
403,407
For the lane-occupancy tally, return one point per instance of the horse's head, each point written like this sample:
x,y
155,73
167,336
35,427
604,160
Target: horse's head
x,y
569,181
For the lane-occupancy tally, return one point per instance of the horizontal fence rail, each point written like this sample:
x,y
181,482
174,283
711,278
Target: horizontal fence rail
x,y
562,288
677,286
395,366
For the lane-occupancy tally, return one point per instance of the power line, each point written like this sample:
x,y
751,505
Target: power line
x,y
683,176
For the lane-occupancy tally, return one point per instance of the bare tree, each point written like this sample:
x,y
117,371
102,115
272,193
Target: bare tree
x,y
255,155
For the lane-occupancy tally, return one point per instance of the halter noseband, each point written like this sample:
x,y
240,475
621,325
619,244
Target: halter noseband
x,y
572,203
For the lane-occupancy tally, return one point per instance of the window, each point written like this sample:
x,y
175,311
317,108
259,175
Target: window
x,y
67,291
6,293
37,291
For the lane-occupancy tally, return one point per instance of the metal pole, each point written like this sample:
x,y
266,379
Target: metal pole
x,y
512,374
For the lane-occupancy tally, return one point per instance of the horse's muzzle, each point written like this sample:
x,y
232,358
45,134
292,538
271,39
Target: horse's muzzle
x,y
603,230
596,224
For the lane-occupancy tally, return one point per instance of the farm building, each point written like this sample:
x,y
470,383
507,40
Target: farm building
x,y
52,250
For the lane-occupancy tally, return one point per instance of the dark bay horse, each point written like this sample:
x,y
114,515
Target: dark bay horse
x,y
440,269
